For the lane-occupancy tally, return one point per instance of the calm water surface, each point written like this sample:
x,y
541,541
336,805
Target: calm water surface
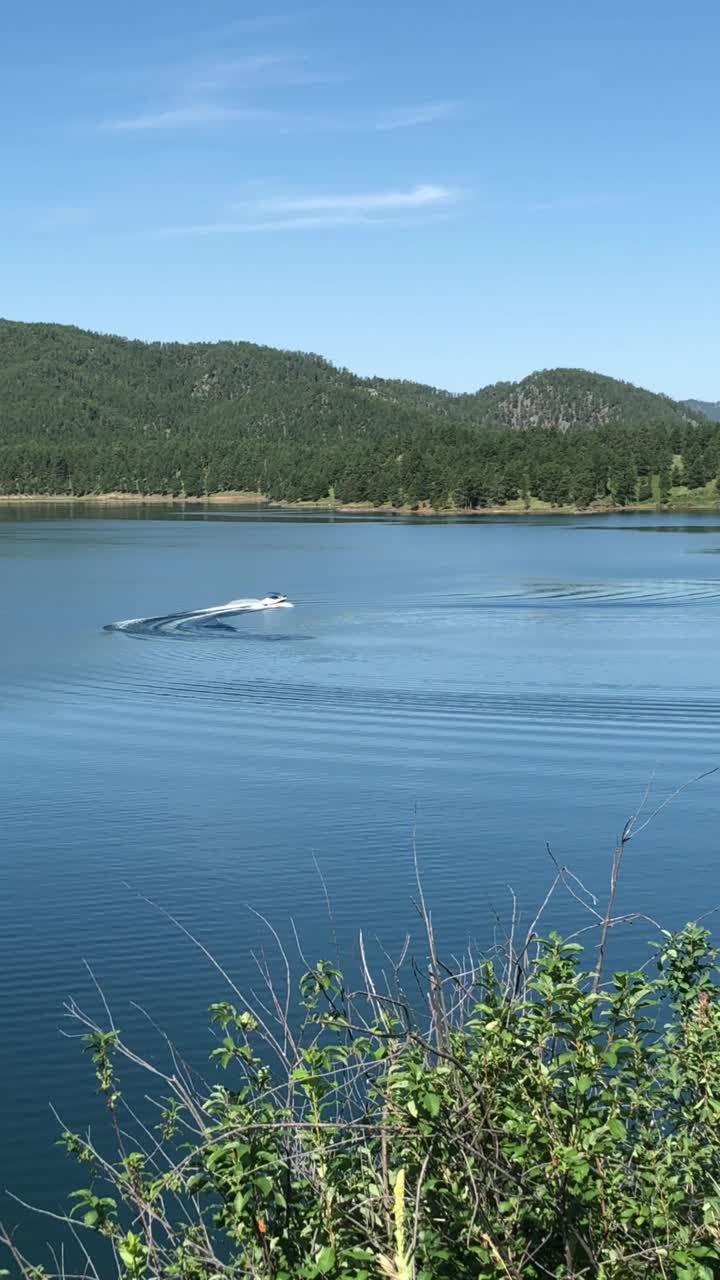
x,y
505,683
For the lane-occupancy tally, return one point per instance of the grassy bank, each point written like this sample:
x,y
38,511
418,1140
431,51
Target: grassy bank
x,y
522,1116
681,499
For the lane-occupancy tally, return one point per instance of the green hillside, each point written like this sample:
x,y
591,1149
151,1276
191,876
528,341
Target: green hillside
x,y
84,413
561,399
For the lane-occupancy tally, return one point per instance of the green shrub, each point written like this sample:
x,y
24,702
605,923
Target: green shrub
x,y
536,1122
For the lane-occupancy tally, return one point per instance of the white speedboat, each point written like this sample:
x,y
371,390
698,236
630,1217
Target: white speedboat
x,y
190,618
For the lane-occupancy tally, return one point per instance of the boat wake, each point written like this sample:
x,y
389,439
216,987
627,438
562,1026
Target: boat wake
x,y
198,620
620,594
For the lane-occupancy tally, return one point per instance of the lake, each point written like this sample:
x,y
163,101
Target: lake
x,y
498,684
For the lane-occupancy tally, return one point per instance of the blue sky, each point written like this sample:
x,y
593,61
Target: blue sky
x,y
454,194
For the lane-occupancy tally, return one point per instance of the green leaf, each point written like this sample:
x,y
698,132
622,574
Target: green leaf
x,y
431,1102
325,1260
263,1184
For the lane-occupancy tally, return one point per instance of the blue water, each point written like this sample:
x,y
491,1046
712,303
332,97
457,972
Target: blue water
x,y
502,684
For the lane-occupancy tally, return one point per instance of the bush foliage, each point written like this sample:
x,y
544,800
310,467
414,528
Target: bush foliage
x,y
534,1121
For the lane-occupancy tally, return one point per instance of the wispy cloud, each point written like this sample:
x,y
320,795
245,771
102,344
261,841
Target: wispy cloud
x,y
309,223
212,90
223,89
249,72
188,117
411,117
323,211
254,22
212,109
216,75
203,92
364,202
319,222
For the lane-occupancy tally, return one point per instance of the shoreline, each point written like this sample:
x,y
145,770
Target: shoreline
x,y
425,512
132,499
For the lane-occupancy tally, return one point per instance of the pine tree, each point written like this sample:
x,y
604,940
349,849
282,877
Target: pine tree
x,y
696,472
623,482
582,484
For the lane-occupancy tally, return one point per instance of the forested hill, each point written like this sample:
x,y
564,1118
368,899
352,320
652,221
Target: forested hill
x,y
560,399
87,413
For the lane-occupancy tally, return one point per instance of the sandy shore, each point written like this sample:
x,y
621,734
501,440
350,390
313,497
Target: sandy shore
x,y
133,499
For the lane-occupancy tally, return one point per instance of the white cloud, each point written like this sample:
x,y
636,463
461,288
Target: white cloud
x,y
366,202
320,212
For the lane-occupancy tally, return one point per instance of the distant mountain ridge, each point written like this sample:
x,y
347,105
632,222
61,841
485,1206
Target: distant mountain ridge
x,y
52,362
710,408
83,412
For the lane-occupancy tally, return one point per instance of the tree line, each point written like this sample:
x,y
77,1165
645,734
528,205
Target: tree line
x,y
84,414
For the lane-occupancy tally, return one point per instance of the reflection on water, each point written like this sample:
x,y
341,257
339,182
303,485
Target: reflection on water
x,y
671,525
503,683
